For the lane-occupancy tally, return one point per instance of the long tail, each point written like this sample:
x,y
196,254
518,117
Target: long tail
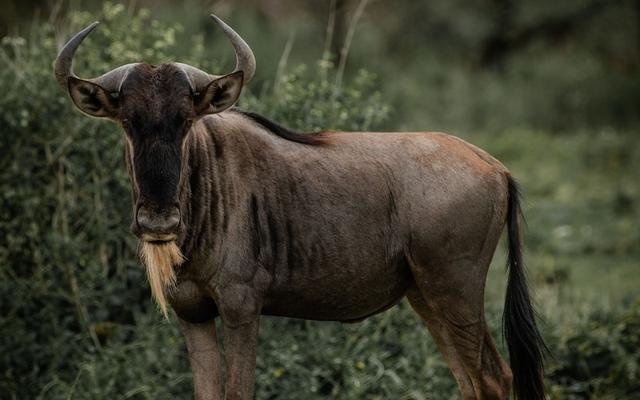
x,y
526,345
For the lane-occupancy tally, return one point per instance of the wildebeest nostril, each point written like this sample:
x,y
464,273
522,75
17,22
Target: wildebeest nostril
x,y
162,222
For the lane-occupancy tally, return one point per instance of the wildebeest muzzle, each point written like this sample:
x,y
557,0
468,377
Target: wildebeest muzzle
x,y
157,226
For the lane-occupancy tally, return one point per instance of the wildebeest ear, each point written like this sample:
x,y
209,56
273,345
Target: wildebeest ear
x,y
92,99
219,94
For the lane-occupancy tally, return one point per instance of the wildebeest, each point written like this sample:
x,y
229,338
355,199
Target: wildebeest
x,y
239,217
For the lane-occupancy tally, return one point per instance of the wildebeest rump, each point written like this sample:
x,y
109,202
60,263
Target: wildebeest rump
x,y
239,217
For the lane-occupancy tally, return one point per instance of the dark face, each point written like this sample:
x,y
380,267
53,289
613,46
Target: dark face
x,y
156,113
156,107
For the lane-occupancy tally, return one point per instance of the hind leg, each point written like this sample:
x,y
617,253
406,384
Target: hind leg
x,y
451,305
445,345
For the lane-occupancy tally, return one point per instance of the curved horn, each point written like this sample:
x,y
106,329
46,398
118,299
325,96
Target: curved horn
x,y
63,69
63,66
245,60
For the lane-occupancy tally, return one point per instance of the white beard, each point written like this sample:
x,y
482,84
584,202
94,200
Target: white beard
x,y
160,259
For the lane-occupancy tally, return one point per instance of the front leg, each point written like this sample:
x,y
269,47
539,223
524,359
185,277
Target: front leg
x,y
240,345
240,310
204,357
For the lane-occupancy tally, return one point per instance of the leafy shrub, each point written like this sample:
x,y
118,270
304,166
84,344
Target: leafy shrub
x,y
600,359
316,103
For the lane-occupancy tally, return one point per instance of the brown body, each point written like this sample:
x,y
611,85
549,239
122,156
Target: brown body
x,y
344,230
333,232
239,217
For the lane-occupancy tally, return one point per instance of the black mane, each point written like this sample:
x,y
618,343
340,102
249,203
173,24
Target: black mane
x,y
313,139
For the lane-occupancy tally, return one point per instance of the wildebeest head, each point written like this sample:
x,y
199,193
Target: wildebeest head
x,y
156,106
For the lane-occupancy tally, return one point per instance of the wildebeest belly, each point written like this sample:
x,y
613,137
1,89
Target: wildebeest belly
x,y
344,294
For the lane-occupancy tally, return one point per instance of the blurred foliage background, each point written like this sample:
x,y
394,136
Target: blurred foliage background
x,y
550,88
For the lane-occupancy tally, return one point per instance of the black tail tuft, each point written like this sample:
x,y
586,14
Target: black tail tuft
x,y
526,345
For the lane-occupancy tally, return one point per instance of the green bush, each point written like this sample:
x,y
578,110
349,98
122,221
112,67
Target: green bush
x,y
600,360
